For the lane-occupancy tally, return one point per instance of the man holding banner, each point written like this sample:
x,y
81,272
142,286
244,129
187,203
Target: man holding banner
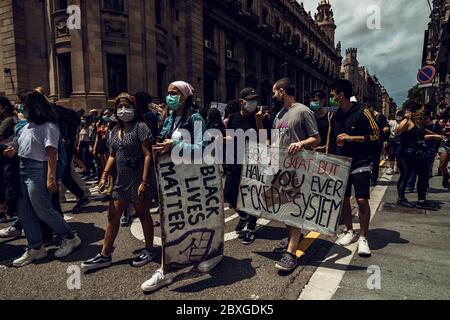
x,y
296,130
352,134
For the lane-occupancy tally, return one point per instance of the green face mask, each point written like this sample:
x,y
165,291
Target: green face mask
x,y
315,106
333,102
173,102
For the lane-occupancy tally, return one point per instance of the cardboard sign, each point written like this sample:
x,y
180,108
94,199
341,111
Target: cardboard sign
x,y
305,190
192,214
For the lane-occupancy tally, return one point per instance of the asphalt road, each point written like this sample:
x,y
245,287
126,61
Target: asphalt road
x,y
246,272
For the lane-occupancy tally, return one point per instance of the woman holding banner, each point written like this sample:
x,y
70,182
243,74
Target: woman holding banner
x,y
181,116
130,152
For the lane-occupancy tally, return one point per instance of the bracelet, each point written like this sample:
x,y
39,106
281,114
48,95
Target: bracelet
x,y
145,183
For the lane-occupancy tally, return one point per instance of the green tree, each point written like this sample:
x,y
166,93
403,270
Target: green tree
x,y
416,94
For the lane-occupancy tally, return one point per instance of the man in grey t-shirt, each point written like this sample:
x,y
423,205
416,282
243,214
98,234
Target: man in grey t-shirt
x,y
295,124
297,130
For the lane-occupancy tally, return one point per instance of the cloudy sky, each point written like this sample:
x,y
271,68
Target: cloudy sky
x,y
393,53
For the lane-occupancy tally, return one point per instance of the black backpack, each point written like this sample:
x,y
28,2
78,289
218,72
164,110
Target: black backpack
x,y
68,122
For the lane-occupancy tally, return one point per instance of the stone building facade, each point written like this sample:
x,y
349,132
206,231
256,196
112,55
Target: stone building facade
x,y
366,87
219,46
436,53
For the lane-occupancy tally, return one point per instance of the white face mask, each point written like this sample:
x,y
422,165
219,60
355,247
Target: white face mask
x,y
251,106
126,114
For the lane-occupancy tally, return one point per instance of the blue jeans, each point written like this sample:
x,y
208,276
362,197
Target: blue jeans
x,y
36,203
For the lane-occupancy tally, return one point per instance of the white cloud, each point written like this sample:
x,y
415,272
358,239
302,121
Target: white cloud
x,y
393,53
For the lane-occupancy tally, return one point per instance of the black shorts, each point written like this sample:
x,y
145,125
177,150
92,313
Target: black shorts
x,y
361,182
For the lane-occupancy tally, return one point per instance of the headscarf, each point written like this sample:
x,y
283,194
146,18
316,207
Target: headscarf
x,y
185,88
126,96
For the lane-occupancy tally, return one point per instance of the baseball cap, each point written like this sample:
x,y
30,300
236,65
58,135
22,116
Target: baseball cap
x,y
248,94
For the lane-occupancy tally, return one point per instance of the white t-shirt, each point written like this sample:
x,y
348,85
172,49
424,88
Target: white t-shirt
x,y
34,139
393,125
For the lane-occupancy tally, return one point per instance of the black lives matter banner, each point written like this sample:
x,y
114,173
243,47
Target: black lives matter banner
x,y
305,190
191,209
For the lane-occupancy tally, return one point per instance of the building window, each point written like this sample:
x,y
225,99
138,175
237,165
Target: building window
x,y
249,6
264,63
65,75
117,74
249,55
158,12
265,16
229,46
61,5
209,36
231,90
210,90
114,5
161,80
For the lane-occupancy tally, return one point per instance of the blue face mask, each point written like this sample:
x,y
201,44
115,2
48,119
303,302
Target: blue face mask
x,y
314,106
173,102
105,119
21,109
83,122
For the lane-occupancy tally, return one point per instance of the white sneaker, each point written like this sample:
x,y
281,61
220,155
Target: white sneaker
x,y
29,256
157,281
67,247
363,248
10,232
208,265
347,238
390,171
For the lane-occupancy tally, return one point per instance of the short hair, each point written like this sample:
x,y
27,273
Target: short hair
x,y
319,93
412,105
343,86
287,85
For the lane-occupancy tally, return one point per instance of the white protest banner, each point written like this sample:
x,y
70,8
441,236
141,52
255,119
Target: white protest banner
x,y
219,106
306,190
191,210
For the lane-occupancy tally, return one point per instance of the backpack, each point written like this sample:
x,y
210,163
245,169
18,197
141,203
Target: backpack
x,y
68,122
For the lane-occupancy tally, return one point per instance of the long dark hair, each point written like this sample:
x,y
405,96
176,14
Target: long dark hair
x,y
40,110
7,106
188,110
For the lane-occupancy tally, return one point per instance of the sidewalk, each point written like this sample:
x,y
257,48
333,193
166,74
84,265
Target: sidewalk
x,y
411,248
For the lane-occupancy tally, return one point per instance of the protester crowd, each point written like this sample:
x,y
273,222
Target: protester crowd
x,y
46,149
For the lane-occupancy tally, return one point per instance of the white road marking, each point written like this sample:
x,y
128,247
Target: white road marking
x,y
325,281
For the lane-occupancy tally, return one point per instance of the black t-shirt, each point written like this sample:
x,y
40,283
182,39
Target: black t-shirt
x,y
323,125
238,121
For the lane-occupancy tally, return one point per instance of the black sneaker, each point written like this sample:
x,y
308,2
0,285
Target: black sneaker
x,y
126,221
248,238
241,226
287,263
98,262
144,257
405,203
82,203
